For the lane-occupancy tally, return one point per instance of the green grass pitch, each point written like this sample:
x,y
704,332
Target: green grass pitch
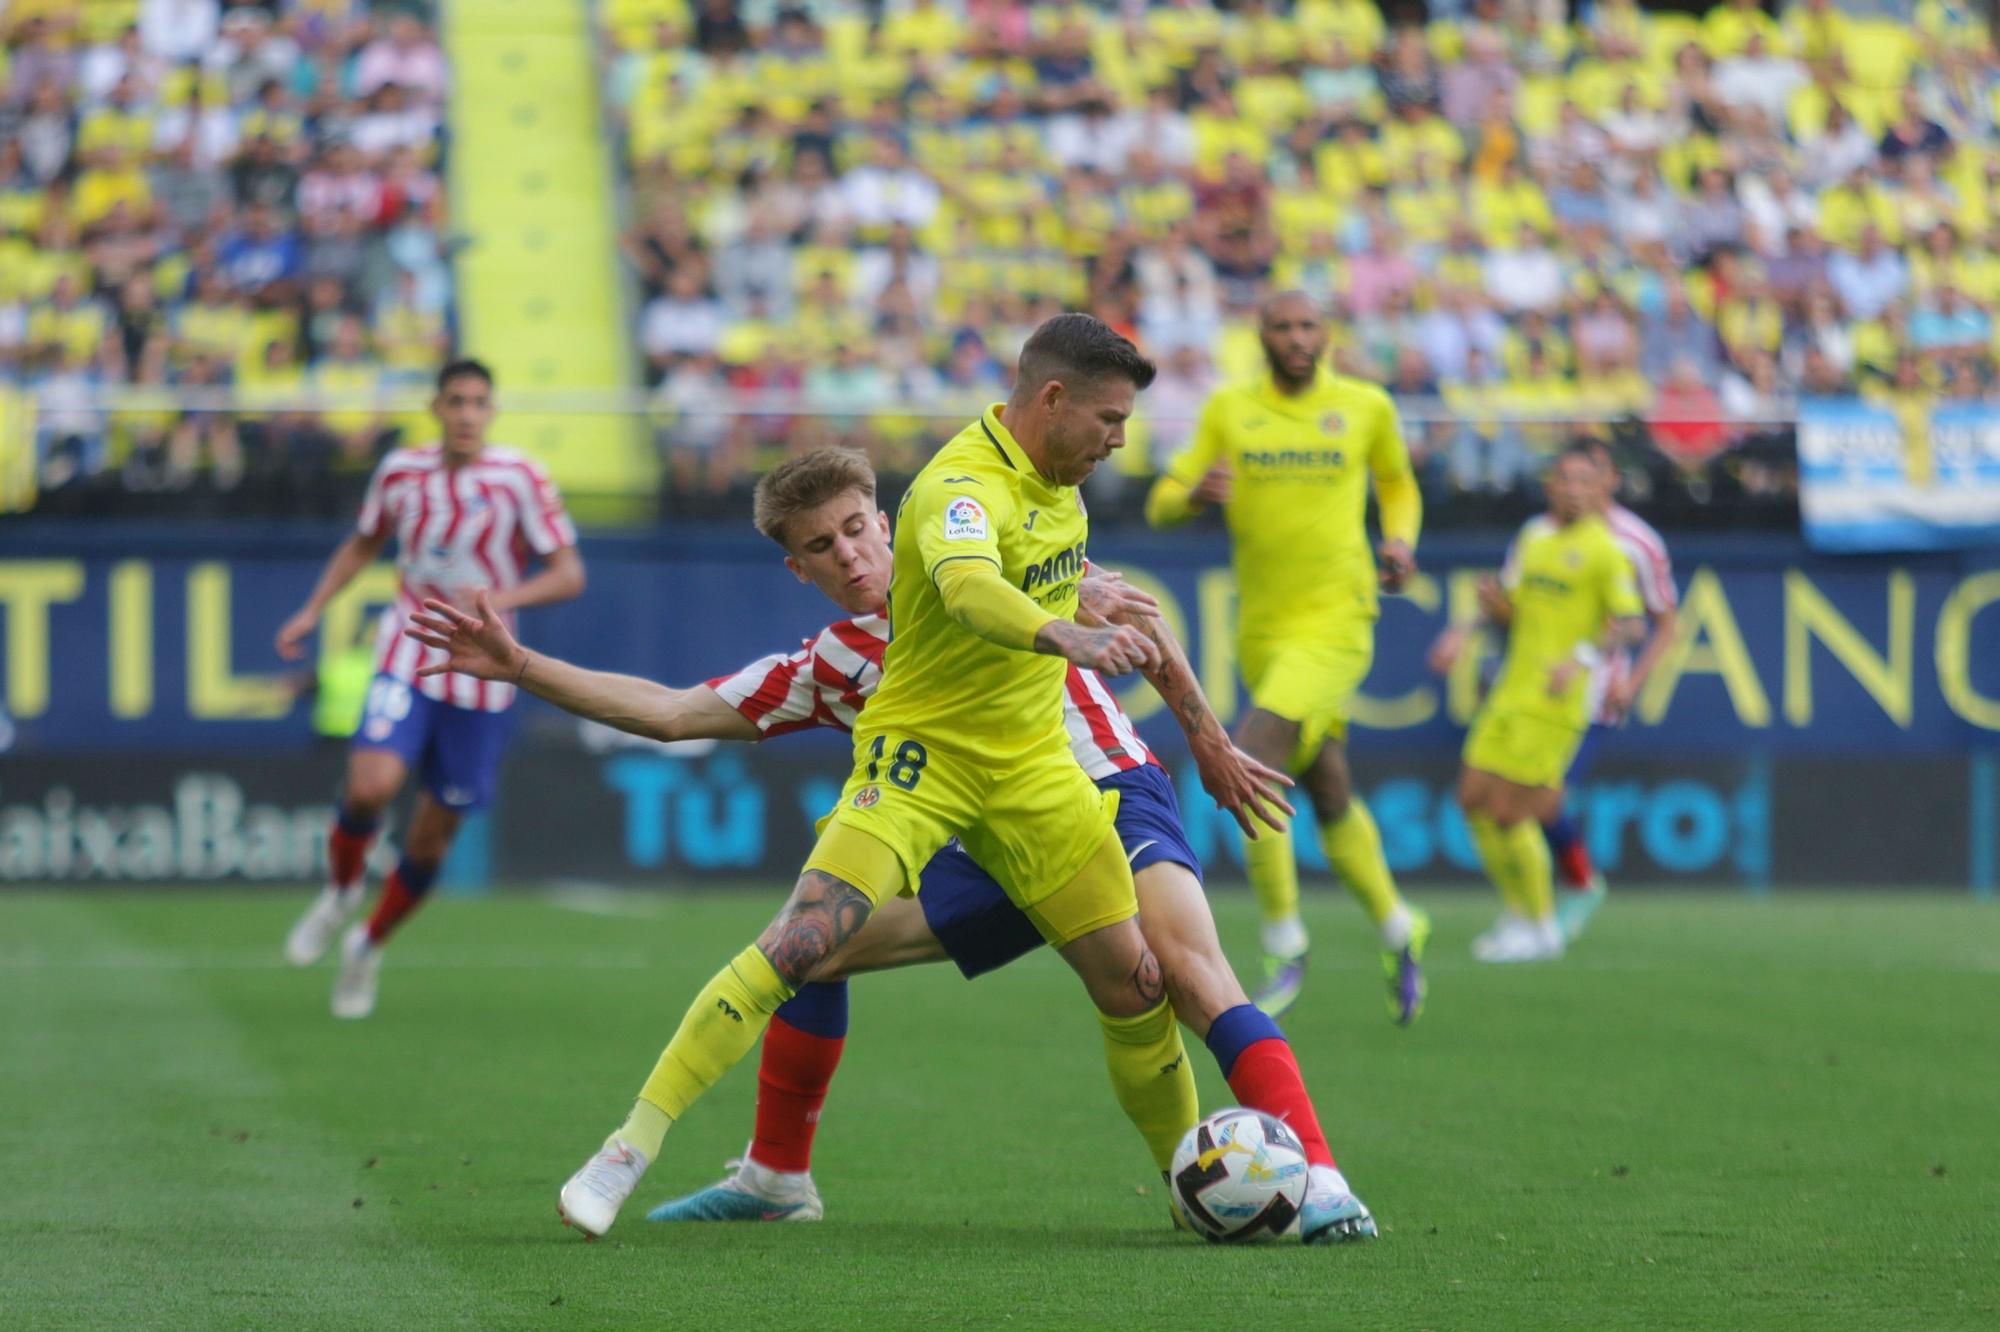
x,y
1719,1113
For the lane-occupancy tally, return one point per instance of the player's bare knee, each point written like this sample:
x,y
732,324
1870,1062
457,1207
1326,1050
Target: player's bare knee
x,y
367,796
1198,982
1137,991
1471,792
1328,783
1268,738
823,914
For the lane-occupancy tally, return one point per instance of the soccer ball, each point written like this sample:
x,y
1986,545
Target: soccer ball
x,y
1240,1175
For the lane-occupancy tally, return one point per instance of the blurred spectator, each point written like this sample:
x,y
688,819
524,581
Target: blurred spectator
x,y
1912,131
1678,336
1527,276
1173,404
1869,277
1758,76
1946,322
406,57
1456,329
685,322
1686,419
179,31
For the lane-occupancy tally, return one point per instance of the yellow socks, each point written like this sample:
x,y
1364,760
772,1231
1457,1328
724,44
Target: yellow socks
x,y
1150,1074
721,1025
1517,860
645,1128
1274,877
1497,855
1534,883
1354,850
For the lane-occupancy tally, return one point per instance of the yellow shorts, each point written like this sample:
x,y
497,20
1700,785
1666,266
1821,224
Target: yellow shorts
x,y
1034,825
1311,681
1521,747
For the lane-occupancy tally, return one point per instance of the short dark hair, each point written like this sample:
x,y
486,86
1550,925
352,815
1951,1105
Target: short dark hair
x,y
462,367
1584,447
1081,347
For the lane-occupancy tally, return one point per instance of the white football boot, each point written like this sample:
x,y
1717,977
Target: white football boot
x,y
593,1195
360,965
1521,940
316,930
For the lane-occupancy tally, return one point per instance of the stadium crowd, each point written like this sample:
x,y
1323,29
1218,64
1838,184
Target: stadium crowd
x,y
1673,225
242,198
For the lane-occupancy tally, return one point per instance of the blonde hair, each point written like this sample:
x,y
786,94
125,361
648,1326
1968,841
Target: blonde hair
x,y
801,484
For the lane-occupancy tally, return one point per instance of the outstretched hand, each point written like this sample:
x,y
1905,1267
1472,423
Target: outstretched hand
x,y
1252,792
477,645
293,634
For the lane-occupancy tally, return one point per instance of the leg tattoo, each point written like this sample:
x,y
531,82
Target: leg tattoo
x,y
824,913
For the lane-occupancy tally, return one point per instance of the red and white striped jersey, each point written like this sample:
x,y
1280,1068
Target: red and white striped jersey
x,y
1647,552
830,678
457,530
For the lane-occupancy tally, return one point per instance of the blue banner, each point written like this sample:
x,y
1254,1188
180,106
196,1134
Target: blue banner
x,y
1909,477
128,638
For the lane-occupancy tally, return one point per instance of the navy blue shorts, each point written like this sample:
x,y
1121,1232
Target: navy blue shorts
x,y
1586,752
454,751
982,931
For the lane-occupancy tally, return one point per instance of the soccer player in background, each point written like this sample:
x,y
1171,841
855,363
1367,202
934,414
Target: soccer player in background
x,y
1567,594
466,516
820,509
1289,458
965,738
1619,680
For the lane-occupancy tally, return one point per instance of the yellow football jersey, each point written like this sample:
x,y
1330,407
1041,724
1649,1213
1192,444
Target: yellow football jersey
x,y
979,498
1566,582
1297,511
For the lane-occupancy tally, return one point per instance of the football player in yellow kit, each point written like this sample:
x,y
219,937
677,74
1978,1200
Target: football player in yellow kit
x,y
1568,597
965,738
1289,458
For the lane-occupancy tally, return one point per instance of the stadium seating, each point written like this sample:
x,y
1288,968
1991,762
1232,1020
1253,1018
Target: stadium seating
x,y
237,199
1683,204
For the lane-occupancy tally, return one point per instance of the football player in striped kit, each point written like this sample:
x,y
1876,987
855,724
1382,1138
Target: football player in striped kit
x,y
821,508
467,517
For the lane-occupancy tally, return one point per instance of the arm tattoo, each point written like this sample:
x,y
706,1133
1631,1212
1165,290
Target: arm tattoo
x,y
824,913
1146,979
1192,708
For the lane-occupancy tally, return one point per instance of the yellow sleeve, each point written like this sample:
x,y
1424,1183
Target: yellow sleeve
x,y
987,604
1168,504
956,522
1396,493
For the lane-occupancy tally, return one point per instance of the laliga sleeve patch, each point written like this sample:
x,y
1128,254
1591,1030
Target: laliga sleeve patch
x,y
964,520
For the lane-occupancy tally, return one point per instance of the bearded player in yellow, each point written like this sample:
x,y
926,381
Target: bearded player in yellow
x,y
965,738
1289,458
1568,598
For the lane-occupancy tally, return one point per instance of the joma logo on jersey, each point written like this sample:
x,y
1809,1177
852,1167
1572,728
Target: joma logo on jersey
x,y
1054,569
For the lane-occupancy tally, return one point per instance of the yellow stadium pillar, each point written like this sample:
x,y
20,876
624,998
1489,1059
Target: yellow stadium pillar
x,y
538,286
